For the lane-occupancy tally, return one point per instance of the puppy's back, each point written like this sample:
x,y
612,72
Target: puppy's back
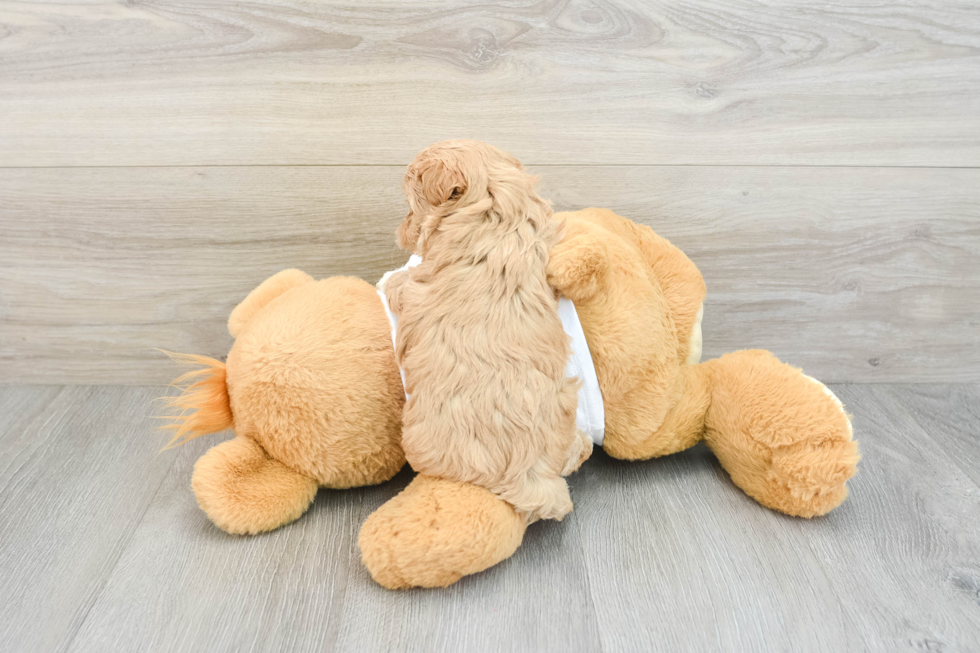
x,y
479,338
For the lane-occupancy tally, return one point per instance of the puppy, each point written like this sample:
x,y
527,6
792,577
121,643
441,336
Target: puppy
x,y
479,339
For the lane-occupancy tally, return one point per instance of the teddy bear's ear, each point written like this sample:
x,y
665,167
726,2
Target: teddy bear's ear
x,y
440,178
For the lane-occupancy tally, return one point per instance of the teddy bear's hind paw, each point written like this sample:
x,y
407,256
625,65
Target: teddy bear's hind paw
x,y
809,479
245,492
435,532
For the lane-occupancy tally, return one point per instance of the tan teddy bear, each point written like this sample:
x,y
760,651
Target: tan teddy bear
x,y
314,395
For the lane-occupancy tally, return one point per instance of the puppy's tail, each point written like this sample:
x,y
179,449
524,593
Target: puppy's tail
x,y
203,401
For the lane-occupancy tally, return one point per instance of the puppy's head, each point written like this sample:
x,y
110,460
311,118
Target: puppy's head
x,y
450,177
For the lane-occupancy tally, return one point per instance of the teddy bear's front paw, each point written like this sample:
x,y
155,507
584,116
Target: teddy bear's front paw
x,y
437,531
576,266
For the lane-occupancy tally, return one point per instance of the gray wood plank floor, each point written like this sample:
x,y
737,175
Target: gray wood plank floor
x,y
102,548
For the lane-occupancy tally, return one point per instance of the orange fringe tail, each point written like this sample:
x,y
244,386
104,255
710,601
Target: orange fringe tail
x,y
203,401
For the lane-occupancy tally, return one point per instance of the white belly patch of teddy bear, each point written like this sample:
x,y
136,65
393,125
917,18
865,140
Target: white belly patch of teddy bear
x,y
694,344
590,416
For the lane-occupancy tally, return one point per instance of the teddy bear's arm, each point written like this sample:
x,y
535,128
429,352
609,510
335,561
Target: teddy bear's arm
x,y
577,264
682,285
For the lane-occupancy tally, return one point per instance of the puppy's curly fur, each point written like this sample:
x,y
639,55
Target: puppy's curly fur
x,y
479,336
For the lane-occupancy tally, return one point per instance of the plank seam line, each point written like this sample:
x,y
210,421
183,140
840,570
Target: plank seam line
x,y
588,585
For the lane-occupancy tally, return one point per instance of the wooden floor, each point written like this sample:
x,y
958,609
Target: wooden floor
x,y
819,160
103,549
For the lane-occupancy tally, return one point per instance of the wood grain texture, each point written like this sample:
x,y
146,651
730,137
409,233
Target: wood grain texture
x,y
539,600
903,552
679,557
950,414
184,585
100,554
202,82
78,467
854,274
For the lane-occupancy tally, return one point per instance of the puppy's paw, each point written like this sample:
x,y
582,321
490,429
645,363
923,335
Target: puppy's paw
x,y
393,288
578,453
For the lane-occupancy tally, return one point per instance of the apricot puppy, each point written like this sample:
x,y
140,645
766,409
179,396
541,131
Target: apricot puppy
x,y
479,339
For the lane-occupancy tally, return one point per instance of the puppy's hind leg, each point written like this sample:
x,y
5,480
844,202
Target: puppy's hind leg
x,y
540,494
579,451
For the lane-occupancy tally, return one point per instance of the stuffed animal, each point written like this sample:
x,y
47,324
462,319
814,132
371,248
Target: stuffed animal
x,y
315,398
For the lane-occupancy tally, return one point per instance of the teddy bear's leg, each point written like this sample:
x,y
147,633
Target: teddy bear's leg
x,y
657,420
244,491
654,405
436,531
782,436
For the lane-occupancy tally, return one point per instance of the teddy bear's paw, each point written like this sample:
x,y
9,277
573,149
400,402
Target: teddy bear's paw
x,y
245,492
784,438
436,531
576,266
809,478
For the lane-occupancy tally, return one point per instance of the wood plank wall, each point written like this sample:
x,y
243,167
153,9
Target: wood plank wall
x,y
820,162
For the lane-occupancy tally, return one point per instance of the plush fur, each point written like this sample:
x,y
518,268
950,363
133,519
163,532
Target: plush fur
x,y
314,395
244,491
442,530
479,338
204,392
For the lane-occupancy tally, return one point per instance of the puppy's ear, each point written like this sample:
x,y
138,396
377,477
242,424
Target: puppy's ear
x,y
440,181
